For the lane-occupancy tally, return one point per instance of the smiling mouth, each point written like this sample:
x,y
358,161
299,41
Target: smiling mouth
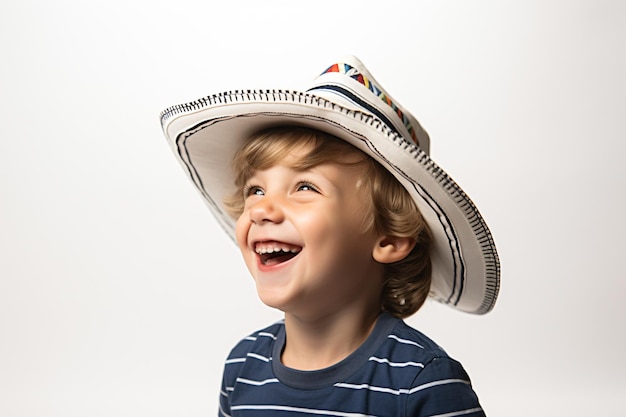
x,y
274,253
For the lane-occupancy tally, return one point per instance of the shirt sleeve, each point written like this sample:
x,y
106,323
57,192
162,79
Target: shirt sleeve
x,y
224,403
443,388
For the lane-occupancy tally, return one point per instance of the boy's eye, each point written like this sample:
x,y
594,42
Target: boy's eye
x,y
305,186
252,190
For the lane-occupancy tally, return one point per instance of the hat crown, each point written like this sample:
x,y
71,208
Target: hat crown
x,y
350,83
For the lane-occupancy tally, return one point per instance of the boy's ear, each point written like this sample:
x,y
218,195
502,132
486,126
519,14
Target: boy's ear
x,y
391,249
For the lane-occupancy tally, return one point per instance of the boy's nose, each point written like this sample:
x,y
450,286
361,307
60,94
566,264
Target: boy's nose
x,y
266,210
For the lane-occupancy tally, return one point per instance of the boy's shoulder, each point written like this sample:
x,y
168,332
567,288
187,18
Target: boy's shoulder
x,y
405,347
403,335
258,343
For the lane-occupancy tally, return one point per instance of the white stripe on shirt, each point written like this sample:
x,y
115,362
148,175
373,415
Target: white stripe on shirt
x,y
298,410
405,341
396,364
257,383
399,391
435,383
460,413
372,388
234,360
259,357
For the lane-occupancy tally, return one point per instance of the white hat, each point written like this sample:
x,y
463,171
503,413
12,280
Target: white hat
x,y
346,101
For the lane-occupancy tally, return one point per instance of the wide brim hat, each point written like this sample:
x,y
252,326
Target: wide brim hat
x,y
345,101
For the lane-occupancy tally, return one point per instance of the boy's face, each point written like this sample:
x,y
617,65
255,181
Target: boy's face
x,y
302,237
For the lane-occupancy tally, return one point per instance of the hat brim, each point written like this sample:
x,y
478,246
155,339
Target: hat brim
x,y
205,135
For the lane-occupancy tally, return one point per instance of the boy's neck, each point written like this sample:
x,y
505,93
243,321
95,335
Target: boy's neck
x,y
318,344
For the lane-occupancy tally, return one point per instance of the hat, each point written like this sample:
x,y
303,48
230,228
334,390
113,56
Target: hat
x,y
347,102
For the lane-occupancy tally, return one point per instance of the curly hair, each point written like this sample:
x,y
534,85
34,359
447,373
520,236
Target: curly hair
x,y
394,213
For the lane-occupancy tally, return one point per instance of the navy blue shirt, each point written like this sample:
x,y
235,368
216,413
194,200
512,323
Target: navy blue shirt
x,y
397,371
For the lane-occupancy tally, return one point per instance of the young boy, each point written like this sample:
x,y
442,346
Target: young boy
x,y
346,226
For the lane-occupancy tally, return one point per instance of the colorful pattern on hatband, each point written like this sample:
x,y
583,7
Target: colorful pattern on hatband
x,y
355,74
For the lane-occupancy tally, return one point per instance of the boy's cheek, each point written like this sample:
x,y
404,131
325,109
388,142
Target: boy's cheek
x,y
241,234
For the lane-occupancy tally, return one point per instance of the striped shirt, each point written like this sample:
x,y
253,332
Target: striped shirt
x,y
397,371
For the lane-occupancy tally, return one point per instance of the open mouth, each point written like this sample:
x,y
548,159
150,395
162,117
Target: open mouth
x,y
274,253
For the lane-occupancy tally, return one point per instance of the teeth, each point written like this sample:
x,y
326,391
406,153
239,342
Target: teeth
x,y
266,249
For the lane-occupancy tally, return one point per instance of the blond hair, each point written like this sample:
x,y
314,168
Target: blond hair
x,y
394,213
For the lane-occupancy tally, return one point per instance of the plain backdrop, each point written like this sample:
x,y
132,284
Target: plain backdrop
x,y
121,296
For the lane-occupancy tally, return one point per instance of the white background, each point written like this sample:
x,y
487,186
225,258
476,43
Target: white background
x,y
120,295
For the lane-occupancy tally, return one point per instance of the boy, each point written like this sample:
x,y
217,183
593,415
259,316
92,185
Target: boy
x,y
346,226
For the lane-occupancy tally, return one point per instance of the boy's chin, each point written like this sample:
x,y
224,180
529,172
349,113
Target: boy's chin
x,y
271,299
